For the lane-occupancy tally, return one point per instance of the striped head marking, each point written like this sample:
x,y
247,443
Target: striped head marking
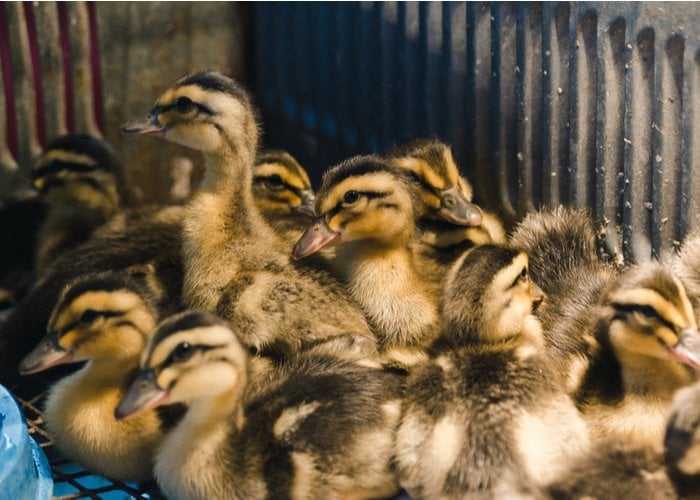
x,y
281,185
204,111
363,198
652,315
489,295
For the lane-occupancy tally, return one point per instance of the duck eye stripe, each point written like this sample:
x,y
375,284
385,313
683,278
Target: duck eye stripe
x,y
168,107
628,308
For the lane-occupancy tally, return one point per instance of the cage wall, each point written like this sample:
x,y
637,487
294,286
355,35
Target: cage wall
x,y
591,104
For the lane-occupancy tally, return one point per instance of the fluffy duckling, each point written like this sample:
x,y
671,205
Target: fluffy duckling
x,y
151,237
103,318
283,193
366,208
235,264
682,442
617,470
485,417
321,428
453,222
79,179
647,347
686,265
620,342
561,245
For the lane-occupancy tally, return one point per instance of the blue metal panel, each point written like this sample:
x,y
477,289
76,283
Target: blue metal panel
x,y
586,103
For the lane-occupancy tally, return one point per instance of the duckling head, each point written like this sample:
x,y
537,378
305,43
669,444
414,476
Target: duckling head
x,y
191,356
650,315
363,198
206,111
78,168
442,189
105,316
281,185
489,297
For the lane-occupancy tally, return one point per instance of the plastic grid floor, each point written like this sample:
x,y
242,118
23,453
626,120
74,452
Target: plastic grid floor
x,y
70,479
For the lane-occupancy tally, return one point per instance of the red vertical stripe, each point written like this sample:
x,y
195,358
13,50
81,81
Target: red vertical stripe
x,y
36,70
95,66
64,27
6,63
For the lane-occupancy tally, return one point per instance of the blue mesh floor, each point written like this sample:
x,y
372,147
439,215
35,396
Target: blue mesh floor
x,y
70,479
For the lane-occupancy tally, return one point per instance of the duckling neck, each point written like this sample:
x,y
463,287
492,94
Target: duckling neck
x,y
384,281
652,377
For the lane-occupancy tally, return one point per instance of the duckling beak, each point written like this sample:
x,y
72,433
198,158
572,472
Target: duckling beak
x,y
537,295
143,395
316,236
456,209
145,125
687,350
44,356
308,204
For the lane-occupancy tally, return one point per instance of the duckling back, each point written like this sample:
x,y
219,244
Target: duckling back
x,y
485,416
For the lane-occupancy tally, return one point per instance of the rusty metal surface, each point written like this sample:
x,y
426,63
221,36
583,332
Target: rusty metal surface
x,y
98,65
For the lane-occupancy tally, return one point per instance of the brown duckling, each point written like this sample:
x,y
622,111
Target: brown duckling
x,y
321,428
485,417
283,193
79,179
235,264
103,318
366,209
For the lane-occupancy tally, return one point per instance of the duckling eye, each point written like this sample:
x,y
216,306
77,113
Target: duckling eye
x,y
88,316
523,274
648,311
274,182
183,352
184,104
351,197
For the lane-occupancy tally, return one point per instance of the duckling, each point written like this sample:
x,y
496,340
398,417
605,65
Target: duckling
x,y
686,265
103,318
485,417
235,264
366,208
321,428
647,347
621,342
149,236
682,442
616,469
80,181
561,245
453,222
283,193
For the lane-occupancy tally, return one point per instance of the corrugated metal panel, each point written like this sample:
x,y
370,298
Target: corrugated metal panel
x,y
591,104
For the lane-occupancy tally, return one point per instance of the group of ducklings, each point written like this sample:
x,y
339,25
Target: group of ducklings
x,y
382,334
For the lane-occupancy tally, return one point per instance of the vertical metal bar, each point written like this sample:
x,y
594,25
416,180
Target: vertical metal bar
x,y
667,144
529,96
479,61
412,107
610,127
433,62
85,120
555,93
691,126
499,175
584,71
28,145
52,71
455,34
638,203
390,77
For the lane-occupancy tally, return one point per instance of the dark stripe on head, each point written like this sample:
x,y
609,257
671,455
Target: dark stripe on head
x,y
429,150
488,260
87,145
279,156
103,282
211,80
655,277
355,167
186,320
